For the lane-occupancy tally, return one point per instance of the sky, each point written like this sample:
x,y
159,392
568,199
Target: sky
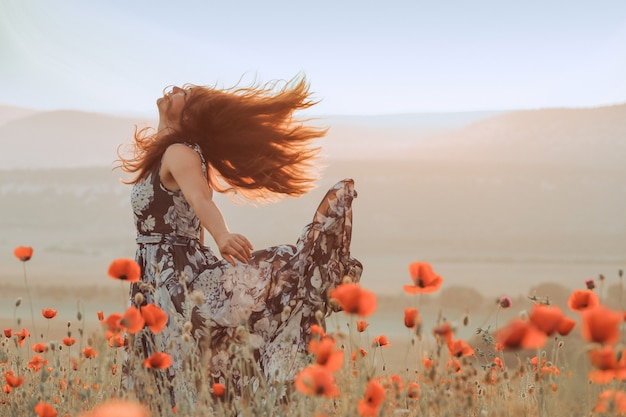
x,y
361,57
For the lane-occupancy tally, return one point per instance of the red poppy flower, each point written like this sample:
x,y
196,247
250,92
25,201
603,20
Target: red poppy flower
x,y
45,410
581,300
100,315
459,348
155,318
360,352
8,332
316,380
37,362
132,320
444,331
317,330
454,365
611,401
361,325
218,389
159,360
49,313
90,352
520,334
118,408
69,341
608,364
411,317
21,336
601,325
23,253
546,318
413,391
380,341
125,270
505,302
12,380
427,363
354,299
326,354
565,326
424,279
372,401
39,347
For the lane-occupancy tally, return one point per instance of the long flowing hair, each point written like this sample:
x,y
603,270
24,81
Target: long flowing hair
x,y
254,146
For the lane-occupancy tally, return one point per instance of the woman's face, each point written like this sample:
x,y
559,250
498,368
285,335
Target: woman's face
x,y
171,106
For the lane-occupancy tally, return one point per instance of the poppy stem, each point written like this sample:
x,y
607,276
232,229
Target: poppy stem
x,y
30,301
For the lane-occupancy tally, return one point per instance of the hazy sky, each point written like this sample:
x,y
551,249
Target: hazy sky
x,y
361,57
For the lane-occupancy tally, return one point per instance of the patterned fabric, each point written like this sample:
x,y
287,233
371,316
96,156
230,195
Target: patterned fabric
x,y
271,301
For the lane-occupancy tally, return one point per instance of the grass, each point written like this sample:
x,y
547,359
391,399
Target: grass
x,y
494,373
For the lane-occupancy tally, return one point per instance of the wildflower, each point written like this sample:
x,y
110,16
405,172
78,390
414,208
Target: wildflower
x,y
317,330
545,369
380,341
23,253
601,325
49,313
117,340
581,300
218,389
413,390
608,365
8,332
354,300
69,341
12,380
372,401
117,408
21,336
453,365
396,382
565,326
590,284
125,269
444,331
37,362
154,317
361,325
546,318
316,380
520,334
159,360
325,353
132,320
100,315
610,401
411,318
89,352
505,302
45,410
7,390
39,347
459,348
427,363
424,279
361,354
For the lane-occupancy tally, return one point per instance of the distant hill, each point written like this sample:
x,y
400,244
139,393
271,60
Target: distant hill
x,y
35,139
591,136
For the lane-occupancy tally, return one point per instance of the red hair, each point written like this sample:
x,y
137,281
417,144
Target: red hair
x,y
248,135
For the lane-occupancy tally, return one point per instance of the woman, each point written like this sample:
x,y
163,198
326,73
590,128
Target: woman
x,y
252,309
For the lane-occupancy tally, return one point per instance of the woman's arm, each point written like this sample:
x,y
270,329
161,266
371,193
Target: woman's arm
x,y
181,168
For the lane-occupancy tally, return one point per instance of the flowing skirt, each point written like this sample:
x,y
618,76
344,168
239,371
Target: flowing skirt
x,y
225,321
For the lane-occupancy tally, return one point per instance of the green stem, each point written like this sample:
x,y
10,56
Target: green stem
x,y
30,301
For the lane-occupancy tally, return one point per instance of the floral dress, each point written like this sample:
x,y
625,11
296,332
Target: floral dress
x,y
214,308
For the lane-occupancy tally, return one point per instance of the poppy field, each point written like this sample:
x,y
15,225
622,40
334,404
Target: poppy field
x,y
548,360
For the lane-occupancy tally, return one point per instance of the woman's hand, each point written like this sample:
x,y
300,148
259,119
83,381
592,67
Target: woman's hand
x,y
234,246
